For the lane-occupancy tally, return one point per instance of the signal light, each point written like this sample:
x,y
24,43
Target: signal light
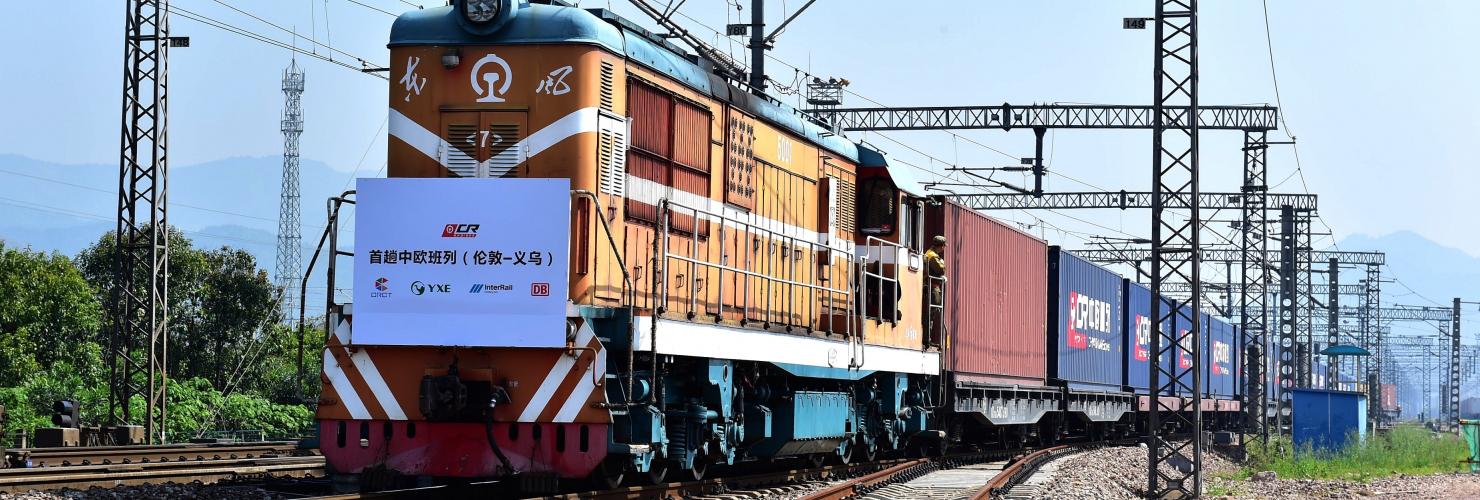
x,y
66,414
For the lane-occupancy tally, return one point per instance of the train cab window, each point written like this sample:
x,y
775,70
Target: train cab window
x,y
878,207
912,227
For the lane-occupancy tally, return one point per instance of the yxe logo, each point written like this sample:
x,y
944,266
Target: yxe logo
x,y
420,288
382,288
491,288
460,231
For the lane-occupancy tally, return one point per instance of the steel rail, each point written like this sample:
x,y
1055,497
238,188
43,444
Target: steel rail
x,y
87,476
107,455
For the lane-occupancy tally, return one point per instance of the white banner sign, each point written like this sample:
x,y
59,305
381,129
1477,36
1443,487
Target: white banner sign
x,y
461,262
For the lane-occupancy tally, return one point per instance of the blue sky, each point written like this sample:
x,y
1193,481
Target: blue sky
x,y
1380,97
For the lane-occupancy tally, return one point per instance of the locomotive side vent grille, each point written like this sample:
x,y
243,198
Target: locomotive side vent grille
x,y
612,154
456,156
506,151
608,86
846,206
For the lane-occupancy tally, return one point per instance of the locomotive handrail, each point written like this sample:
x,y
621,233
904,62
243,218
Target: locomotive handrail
x,y
330,229
611,241
749,228
629,288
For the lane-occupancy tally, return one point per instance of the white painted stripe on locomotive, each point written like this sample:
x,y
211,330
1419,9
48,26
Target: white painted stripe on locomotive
x,y
378,387
552,381
582,392
638,189
340,382
682,338
648,192
417,136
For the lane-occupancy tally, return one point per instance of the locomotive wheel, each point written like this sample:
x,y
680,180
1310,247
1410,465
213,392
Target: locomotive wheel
x,y
698,471
657,472
608,475
817,459
846,457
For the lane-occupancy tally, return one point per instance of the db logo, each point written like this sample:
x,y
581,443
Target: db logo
x,y
539,289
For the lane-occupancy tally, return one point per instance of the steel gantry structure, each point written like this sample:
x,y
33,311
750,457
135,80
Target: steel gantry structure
x,y
1175,118
139,301
1447,320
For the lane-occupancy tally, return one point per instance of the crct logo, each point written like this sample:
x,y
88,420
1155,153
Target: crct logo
x,y
419,288
1184,351
1143,338
460,231
1087,314
382,288
1221,358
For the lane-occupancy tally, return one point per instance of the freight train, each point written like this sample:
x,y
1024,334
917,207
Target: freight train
x,y
745,284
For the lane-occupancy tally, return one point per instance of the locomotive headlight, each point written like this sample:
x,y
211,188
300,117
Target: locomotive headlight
x,y
481,11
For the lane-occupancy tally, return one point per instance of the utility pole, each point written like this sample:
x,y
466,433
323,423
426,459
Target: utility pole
x,y
139,332
290,236
1176,255
1454,378
1333,333
758,46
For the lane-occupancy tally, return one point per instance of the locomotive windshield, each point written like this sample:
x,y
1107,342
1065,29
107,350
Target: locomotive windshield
x,y
878,206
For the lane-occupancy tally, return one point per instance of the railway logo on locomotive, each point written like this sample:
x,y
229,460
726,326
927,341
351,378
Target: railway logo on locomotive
x,y
1088,313
497,78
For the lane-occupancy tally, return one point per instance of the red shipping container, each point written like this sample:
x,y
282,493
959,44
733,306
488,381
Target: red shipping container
x,y
996,291
1389,397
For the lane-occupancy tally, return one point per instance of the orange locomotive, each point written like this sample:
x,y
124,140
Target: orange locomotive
x,y
726,301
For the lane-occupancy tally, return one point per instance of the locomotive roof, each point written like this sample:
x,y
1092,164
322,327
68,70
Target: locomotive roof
x,y
549,24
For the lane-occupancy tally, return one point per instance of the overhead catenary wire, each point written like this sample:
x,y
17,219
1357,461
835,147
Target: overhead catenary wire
x,y
224,26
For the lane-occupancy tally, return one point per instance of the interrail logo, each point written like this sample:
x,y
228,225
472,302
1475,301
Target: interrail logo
x,y
460,231
382,288
491,288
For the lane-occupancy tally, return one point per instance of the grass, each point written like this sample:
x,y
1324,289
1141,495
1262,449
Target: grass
x,y
1404,450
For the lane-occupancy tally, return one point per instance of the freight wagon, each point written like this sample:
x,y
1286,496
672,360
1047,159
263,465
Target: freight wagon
x,y
742,283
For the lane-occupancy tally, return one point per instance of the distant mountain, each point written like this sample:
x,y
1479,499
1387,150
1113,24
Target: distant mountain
x,y
1433,271
231,202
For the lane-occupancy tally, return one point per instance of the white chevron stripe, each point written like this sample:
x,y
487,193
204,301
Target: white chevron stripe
x,y
378,387
563,365
582,392
430,144
421,139
340,382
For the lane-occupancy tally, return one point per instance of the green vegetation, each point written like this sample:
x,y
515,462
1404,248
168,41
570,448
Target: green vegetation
x,y
232,363
1404,450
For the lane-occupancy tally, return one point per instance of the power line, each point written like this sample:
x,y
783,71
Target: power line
x,y
386,12
58,210
224,26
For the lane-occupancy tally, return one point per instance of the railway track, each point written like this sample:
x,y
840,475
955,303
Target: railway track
x,y
210,471
109,455
108,466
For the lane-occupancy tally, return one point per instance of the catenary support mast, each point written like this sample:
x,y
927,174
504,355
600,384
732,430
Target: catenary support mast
x,y
1174,467
138,333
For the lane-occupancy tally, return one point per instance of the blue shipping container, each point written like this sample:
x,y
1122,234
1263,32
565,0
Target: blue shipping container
x,y
1137,325
1086,343
1221,359
1323,420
